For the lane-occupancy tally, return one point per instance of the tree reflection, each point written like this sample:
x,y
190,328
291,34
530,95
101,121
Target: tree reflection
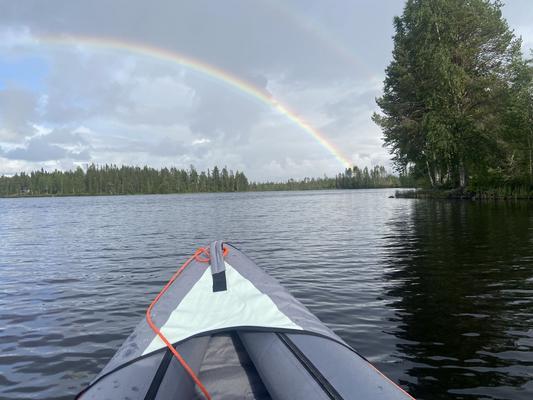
x,y
462,274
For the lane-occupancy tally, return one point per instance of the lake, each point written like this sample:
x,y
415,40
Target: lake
x,y
437,294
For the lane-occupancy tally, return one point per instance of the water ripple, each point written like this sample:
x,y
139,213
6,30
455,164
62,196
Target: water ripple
x,y
439,295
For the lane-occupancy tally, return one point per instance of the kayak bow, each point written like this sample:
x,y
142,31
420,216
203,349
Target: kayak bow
x,y
224,329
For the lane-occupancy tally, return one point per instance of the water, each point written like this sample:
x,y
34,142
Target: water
x,y
438,295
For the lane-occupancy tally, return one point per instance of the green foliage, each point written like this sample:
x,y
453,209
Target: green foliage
x,y
457,97
351,178
517,137
110,179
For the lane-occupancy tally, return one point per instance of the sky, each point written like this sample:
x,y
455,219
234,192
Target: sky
x,y
276,88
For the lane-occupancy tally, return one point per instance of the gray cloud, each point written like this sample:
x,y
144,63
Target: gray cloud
x,y
222,114
241,36
83,85
65,136
168,148
17,111
57,145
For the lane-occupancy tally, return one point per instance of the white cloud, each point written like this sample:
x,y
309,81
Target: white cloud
x,y
201,141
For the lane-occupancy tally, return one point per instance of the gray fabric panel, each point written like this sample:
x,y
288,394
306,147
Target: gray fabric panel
x,y
217,257
228,373
130,382
141,337
282,374
177,384
351,375
287,304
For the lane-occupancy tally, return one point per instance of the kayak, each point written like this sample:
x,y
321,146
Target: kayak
x,y
222,328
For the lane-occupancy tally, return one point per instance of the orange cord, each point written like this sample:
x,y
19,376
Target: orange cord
x,y
197,381
195,256
206,251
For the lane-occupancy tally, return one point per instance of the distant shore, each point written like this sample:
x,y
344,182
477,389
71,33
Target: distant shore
x,y
401,193
457,194
122,180
30,195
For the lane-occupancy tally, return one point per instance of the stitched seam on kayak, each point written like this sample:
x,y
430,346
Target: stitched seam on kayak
x,y
158,377
310,367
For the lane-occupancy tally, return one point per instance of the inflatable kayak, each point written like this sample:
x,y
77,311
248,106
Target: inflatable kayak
x,y
223,329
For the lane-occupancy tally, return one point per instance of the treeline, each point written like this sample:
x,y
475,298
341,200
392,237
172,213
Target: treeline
x,y
377,177
111,179
114,180
457,108
351,178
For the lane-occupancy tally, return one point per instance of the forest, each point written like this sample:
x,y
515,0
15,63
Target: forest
x,y
457,106
352,178
114,180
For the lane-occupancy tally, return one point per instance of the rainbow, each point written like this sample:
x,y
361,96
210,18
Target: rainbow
x,y
203,68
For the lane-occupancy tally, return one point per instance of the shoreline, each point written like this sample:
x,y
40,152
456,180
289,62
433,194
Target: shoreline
x,y
20,196
400,193
457,194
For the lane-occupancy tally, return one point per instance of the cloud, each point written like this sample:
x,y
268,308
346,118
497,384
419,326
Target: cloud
x,y
17,111
239,36
200,141
66,136
57,145
223,115
16,38
168,148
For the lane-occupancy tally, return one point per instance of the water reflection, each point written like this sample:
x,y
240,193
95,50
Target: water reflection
x,y
463,284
